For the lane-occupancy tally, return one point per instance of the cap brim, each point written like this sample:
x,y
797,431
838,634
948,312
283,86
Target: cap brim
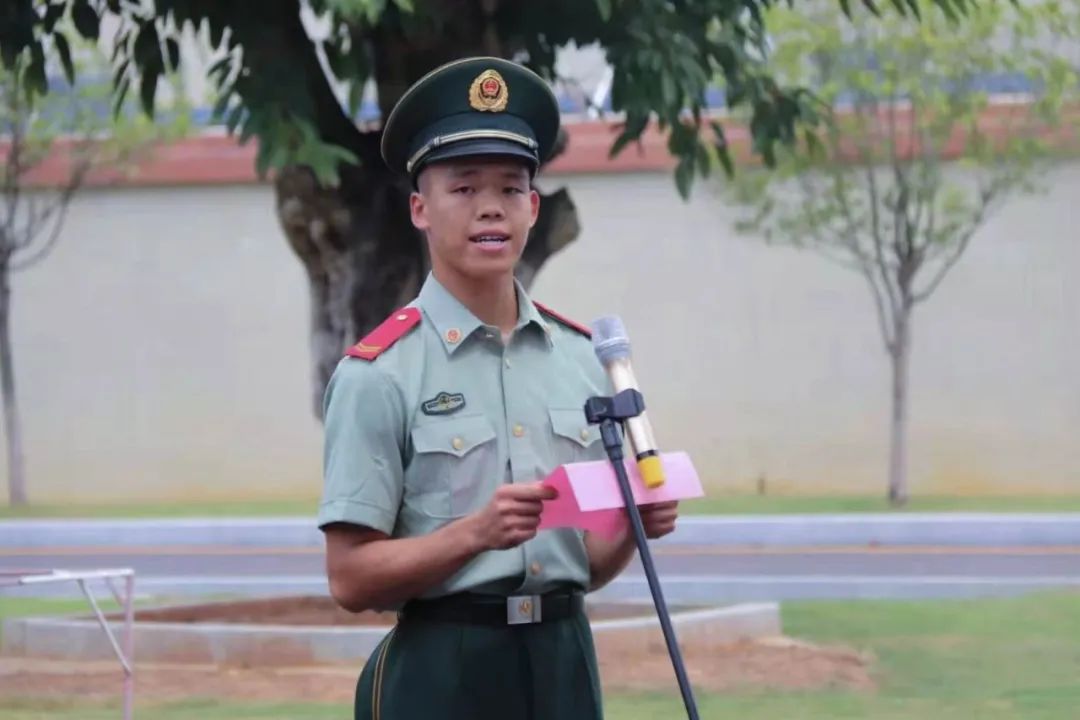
x,y
487,147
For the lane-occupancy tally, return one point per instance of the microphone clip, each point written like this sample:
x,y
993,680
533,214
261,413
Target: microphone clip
x,y
610,413
619,407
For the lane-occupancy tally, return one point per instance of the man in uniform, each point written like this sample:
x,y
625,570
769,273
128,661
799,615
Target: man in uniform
x,y
441,424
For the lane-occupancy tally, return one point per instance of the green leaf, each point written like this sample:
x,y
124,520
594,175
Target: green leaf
x,y
704,163
64,51
52,14
406,5
337,60
173,49
35,72
604,6
85,19
220,68
631,131
684,176
120,72
724,156
120,95
147,51
234,118
217,33
148,88
722,152
356,97
121,45
222,102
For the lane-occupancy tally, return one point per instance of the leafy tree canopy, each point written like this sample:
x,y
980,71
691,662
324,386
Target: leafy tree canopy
x,y
274,82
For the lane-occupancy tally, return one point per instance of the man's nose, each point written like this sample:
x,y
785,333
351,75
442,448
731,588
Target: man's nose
x,y
491,207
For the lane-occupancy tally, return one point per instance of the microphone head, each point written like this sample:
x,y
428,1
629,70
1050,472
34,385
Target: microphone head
x,y
610,341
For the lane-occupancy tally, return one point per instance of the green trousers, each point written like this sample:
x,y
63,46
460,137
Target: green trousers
x,y
424,670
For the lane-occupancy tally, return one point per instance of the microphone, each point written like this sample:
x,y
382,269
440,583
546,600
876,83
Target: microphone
x,y
612,347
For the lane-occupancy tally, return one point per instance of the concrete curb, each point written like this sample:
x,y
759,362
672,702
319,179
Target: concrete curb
x,y
262,645
678,589
855,529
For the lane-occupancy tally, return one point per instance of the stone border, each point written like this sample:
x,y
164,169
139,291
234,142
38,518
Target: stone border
x,y
282,645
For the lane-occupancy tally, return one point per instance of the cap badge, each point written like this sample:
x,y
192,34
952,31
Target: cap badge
x,y
488,92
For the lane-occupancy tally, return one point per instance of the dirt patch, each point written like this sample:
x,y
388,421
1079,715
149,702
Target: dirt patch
x,y
322,611
778,664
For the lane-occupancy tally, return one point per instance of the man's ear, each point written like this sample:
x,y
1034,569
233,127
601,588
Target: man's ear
x,y
534,205
418,210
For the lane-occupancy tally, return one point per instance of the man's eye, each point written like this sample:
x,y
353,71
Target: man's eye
x,y
464,189
514,190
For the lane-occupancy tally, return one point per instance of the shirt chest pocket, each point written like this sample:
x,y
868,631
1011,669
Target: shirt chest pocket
x,y
573,439
454,467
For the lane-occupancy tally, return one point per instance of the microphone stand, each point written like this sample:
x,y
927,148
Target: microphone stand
x,y
611,413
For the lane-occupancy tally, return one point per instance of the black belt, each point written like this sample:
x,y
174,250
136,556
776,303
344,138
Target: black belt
x,y
496,610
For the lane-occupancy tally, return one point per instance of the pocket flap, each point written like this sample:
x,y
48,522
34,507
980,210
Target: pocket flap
x,y
456,436
570,423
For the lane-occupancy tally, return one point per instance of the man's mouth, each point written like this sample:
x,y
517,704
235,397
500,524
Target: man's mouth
x,y
489,239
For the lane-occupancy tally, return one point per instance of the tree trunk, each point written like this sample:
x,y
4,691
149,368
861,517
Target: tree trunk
x,y
900,354
12,426
364,259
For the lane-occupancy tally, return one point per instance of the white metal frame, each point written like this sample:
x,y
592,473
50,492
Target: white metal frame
x,y
125,649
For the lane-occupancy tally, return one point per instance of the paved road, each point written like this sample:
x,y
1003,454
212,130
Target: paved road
x,y
689,573
706,561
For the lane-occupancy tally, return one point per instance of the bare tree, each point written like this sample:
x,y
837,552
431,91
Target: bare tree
x,y
879,194
51,139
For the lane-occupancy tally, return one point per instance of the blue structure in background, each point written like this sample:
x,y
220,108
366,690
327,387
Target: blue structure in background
x,y
571,103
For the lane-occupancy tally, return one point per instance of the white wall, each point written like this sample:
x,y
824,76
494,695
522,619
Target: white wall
x,y
162,351
767,361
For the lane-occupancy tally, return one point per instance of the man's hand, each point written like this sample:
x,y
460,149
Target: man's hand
x,y
512,516
659,518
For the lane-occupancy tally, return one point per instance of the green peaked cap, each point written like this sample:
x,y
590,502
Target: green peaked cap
x,y
469,107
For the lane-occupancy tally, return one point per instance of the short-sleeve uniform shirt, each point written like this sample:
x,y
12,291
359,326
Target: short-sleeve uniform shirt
x,y
425,432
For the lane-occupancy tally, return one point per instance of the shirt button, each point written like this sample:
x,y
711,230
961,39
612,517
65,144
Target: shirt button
x,y
535,568
458,443
585,433
519,431
507,363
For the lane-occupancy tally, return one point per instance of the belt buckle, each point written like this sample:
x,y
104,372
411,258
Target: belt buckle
x,y
522,609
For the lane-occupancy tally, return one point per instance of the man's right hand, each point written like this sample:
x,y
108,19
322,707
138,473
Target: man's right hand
x,y
512,515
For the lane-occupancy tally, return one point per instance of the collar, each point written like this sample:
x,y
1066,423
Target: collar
x,y
455,323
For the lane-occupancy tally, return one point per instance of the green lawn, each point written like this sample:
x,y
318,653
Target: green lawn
x,y
725,504
938,660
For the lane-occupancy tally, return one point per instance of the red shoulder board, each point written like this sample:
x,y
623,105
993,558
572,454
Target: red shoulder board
x,y
386,334
583,329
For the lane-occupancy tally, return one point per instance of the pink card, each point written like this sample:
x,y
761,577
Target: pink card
x,y
590,499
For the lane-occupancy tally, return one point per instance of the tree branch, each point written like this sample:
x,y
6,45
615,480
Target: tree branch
x,y
882,264
986,196
822,244
59,208
13,165
858,260
865,264
864,110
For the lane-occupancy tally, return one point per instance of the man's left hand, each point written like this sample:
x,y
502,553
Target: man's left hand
x,y
659,518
